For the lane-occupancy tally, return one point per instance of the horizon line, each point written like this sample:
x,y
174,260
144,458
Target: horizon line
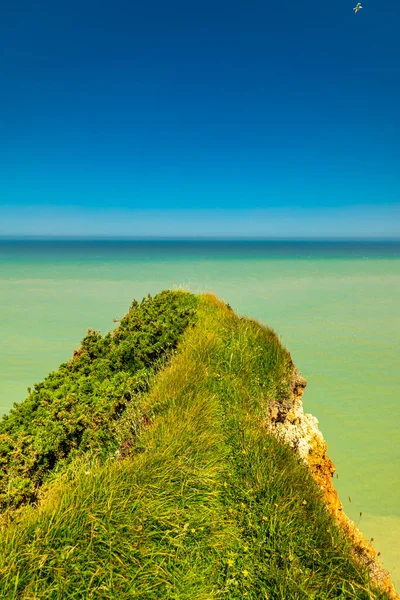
x,y
100,238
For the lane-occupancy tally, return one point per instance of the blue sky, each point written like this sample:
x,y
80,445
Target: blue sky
x,y
188,118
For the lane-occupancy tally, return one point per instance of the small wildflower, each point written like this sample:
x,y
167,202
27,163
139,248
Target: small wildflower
x,y
244,452
304,501
245,573
87,472
225,484
230,562
140,528
245,548
264,518
193,530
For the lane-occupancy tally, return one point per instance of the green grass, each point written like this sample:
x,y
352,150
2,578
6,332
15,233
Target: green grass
x,y
205,503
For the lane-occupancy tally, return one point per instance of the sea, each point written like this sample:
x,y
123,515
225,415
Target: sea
x,y
334,304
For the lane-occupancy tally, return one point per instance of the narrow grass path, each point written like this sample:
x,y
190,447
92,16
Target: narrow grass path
x,y
207,505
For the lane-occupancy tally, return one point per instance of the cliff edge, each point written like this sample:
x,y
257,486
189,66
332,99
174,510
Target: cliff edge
x,y
158,463
289,423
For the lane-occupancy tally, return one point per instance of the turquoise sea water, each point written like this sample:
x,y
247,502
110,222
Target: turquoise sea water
x,y
335,306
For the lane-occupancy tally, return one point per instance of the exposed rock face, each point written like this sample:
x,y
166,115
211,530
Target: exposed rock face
x,y
289,423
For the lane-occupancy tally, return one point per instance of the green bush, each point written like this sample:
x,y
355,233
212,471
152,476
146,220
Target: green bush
x,y
75,409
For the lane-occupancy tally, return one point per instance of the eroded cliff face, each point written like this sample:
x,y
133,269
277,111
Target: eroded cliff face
x,y
289,423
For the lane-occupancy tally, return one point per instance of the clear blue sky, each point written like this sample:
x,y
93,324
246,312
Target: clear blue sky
x,y
208,118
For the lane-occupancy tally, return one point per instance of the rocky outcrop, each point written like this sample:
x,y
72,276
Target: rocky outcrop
x,y
289,423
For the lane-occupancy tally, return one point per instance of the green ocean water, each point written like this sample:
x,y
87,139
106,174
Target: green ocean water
x,y
335,306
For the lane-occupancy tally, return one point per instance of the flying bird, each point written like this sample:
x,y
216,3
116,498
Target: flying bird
x,y
357,7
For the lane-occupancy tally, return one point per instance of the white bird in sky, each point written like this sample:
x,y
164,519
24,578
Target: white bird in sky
x,y
357,7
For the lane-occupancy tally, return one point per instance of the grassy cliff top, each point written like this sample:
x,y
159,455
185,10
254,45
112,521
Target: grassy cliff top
x,y
144,468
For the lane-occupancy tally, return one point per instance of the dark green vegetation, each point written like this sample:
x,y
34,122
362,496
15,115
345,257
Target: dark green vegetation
x,y
202,502
76,408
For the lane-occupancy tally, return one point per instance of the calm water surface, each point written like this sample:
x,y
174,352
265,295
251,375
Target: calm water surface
x,y
335,306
